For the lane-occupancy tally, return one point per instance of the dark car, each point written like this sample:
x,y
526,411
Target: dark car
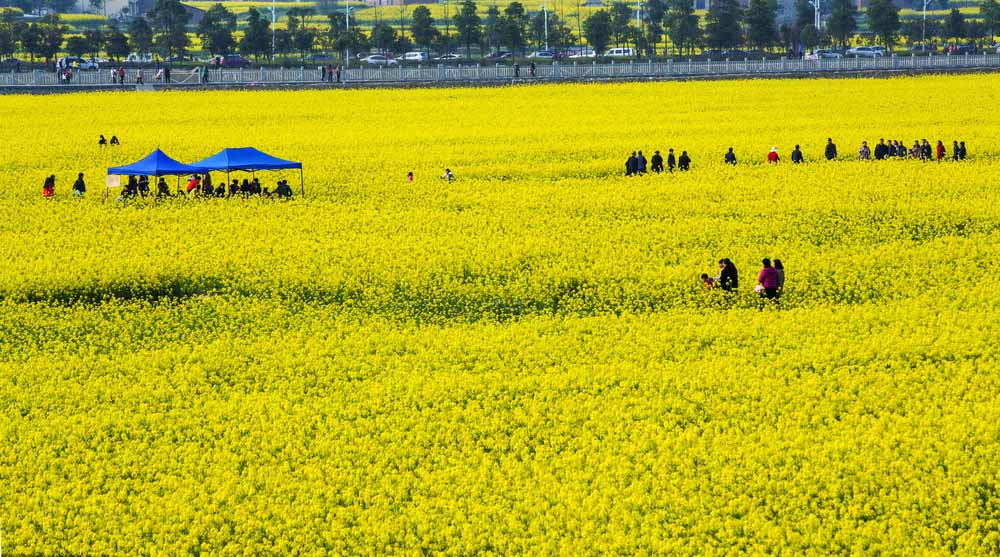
x,y
11,65
497,56
231,61
319,57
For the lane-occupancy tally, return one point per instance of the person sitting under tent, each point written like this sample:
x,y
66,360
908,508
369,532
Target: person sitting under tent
x,y
283,190
234,187
162,189
194,185
143,186
206,186
220,191
245,188
255,188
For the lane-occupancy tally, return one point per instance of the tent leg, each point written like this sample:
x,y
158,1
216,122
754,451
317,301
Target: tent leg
x,y
302,184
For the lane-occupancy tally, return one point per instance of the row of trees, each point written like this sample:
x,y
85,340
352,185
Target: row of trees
x,y
727,25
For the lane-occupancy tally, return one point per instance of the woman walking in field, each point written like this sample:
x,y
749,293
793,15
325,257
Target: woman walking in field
x,y
767,281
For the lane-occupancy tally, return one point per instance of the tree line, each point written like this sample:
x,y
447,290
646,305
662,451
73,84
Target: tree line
x,y
727,26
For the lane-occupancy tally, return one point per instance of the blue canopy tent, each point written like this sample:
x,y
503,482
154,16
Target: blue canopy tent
x,y
155,164
248,159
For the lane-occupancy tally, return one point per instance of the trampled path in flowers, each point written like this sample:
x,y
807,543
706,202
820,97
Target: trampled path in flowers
x,y
520,361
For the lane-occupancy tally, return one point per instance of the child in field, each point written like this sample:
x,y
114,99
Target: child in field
x,y
707,281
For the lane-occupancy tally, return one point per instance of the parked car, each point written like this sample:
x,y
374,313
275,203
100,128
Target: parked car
x,y
922,48
542,55
78,63
620,53
866,52
450,57
139,58
581,53
500,55
962,49
416,57
827,53
230,61
11,65
380,60
319,57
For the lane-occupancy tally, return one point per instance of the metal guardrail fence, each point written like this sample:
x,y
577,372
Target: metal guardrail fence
x,y
474,73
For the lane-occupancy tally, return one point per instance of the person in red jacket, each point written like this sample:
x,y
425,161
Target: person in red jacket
x,y
940,151
773,157
49,187
194,185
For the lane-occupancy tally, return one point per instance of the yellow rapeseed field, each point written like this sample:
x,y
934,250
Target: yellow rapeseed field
x,y
522,361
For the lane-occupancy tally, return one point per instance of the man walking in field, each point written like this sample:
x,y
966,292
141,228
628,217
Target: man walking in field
x,y
631,165
640,163
797,155
657,162
831,149
671,161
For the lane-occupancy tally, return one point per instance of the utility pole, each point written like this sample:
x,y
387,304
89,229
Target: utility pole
x,y
923,28
545,15
273,21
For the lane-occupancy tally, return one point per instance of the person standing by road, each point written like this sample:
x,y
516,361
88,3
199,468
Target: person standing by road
x,y
831,149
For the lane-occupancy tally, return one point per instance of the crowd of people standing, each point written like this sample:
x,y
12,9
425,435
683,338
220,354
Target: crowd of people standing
x,y
636,164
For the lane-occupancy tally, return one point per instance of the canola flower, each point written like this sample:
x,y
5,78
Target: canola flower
x,y
518,362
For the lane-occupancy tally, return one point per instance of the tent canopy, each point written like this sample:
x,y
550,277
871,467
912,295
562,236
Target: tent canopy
x,y
244,158
156,163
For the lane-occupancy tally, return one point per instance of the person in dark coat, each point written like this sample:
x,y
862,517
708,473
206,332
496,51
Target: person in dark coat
x,y
631,165
684,162
961,150
926,151
162,189
114,140
671,161
831,149
956,152
881,150
640,166
657,162
797,155
729,276
731,157
104,142
79,188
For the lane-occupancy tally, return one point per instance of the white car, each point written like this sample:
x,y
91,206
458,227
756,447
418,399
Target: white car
x,y
824,53
416,57
138,58
380,60
78,63
620,53
542,55
582,53
866,52
450,57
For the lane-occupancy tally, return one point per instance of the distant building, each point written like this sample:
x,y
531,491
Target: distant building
x,y
139,8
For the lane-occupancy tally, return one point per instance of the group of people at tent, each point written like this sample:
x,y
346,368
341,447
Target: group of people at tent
x,y
244,159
